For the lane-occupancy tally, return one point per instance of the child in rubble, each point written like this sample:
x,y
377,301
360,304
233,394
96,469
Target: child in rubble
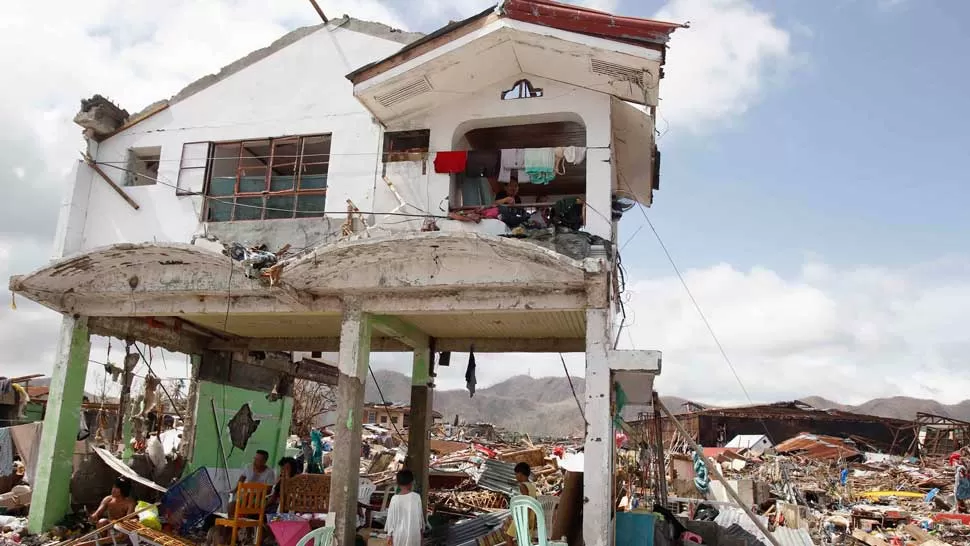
x,y
116,505
526,487
405,515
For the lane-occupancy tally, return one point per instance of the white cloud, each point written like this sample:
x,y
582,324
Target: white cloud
x,y
717,69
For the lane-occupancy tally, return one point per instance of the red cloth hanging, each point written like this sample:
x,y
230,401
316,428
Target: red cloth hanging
x,y
450,162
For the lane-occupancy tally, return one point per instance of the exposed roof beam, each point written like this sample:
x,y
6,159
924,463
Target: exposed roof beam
x,y
384,344
400,330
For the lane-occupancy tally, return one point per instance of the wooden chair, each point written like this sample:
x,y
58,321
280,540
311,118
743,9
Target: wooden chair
x,y
250,501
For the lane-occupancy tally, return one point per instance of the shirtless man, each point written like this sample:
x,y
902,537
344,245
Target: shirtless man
x,y
116,505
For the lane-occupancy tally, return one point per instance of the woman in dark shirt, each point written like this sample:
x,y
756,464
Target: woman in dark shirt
x,y
510,195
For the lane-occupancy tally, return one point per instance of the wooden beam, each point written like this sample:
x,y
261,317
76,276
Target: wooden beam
x,y
400,330
319,11
124,195
390,345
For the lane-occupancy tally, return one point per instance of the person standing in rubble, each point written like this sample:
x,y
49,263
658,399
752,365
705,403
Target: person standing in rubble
x,y
961,487
405,515
526,487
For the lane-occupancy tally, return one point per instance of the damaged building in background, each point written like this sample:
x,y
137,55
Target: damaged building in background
x,y
717,427
278,207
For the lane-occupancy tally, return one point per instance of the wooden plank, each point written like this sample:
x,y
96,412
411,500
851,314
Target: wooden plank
x,y
124,195
920,535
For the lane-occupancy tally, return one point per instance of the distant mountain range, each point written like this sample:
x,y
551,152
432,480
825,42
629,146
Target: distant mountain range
x,y
545,406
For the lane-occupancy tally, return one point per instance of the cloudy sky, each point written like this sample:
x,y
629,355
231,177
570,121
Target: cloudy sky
x,y
813,194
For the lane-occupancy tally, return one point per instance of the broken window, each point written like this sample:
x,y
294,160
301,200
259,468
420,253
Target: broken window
x,y
267,179
371,417
522,89
406,145
143,166
384,419
407,420
394,419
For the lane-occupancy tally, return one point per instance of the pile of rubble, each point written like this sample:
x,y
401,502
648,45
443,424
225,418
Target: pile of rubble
x,y
838,496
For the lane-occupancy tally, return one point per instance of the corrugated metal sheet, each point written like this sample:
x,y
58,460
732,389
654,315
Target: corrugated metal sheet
x,y
737,523
498,476
816,446
466,532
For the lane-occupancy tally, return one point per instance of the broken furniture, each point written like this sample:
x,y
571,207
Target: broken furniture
x,y
305,494
250,501
140,534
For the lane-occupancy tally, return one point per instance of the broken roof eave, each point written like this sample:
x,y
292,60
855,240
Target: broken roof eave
x,y
622,31
150,279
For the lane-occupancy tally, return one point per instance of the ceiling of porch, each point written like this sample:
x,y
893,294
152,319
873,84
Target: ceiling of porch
x,y
494,325
502,51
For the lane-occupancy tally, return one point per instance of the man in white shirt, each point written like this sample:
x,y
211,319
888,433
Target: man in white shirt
x,y
405,515
259,471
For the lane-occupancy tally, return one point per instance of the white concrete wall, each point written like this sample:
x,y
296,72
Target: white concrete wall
x,y
301,89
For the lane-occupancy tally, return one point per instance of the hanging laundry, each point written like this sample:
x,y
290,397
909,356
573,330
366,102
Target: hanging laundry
x,y
5,385
450,162
574,154
470,380
6,452
540,165
482,163
512,160
26,438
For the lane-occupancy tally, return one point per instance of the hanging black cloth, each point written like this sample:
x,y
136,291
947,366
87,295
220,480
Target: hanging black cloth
x,y
241,427
470,373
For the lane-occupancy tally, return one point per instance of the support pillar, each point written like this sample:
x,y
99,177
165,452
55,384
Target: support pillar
x,y
421,419
191,416
355,337
55,462
598,457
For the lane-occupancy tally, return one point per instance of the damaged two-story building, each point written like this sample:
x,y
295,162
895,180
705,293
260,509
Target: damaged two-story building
x,y
374,170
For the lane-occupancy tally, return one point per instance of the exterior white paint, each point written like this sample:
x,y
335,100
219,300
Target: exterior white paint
x,y
299,89
265,100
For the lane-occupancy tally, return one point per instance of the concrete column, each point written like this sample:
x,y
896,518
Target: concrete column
x,y
599,193
55,462
598,459
191,416
355,337
421,419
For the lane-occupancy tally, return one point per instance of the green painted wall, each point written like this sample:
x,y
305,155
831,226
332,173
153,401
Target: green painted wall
x,y
274,426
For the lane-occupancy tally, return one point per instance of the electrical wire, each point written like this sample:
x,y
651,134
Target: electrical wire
x,y
573,388
384,402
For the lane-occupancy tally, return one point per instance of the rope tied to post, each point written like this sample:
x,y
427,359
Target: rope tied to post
x,y
701,479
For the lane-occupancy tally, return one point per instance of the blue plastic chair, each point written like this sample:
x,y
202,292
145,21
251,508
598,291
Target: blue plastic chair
x,y
520,507
320,537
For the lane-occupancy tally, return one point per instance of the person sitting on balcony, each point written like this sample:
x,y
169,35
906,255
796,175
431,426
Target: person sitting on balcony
x,y
510,195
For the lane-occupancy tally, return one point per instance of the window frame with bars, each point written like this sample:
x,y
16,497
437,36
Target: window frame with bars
x,y
277,193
